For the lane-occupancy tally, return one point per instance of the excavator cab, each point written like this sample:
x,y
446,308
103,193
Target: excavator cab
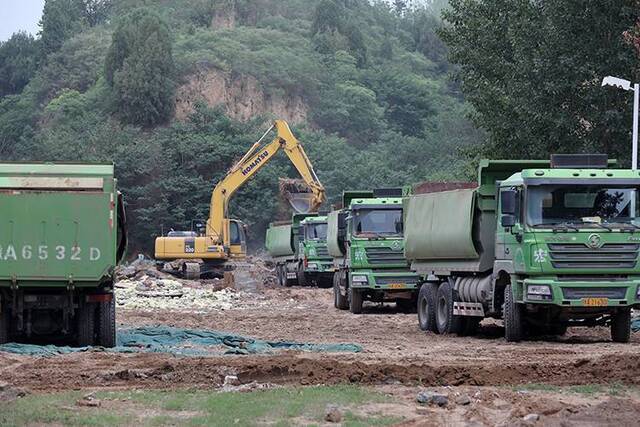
x,y
237,238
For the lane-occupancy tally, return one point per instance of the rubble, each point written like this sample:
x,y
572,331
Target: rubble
x,y
531,418
169,294
431,398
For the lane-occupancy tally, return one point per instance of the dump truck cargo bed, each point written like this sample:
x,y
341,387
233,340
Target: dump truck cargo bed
x,y
58,224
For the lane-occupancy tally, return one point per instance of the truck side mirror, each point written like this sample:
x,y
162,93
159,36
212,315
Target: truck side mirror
x,y
508,199
508,221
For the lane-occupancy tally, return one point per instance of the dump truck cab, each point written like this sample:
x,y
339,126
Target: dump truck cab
x,y
366,242
299,250
317,264
571,238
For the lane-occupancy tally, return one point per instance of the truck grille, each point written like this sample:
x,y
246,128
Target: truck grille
x,y
385,256
322,251
393,279
606,292
579,255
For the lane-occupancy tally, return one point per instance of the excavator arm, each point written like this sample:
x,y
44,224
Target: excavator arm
x,y
258,156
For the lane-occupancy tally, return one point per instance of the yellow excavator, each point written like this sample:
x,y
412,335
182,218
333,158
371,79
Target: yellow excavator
x,y
211,246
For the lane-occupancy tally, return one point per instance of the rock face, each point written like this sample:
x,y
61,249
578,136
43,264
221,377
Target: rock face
x,y
241,95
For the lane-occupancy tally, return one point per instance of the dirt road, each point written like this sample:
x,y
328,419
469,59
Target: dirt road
x,y
395,353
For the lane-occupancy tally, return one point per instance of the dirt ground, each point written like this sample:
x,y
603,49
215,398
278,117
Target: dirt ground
x,y
504,381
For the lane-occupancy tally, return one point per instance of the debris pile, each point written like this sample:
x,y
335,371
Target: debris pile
x,y
147,293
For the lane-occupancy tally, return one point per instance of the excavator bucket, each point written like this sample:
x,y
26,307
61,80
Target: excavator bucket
x,y
298,194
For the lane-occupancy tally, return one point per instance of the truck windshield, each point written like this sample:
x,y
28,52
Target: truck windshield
x,y
582,205
375,222
317,231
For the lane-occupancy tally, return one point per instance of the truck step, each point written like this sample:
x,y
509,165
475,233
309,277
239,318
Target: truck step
x,y
468,309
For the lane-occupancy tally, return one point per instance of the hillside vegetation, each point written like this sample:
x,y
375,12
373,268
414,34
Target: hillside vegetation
x,y
105,81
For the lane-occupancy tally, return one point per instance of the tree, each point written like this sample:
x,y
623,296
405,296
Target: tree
x,y
60,20
532,70
327,17
139,67
19,57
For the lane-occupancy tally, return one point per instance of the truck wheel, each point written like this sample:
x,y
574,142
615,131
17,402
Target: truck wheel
x,y
513,314
621,326
85,324
447,322
427,307
302,277
107,323
355,301
280,275
341,302
5,321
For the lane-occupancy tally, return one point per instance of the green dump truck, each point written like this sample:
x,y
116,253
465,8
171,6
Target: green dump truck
x,y
365,240
543,245
63,232
299,249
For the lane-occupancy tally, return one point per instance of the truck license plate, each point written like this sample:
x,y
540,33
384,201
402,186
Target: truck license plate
x,y
595,302
397,285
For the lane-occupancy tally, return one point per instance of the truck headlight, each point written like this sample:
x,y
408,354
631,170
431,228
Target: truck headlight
x,y
312,266
359,279
638,293
538,292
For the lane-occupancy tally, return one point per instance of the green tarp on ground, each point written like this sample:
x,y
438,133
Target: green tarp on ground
x,y
182,342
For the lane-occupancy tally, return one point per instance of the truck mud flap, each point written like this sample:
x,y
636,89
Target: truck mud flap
x,y
122,228
468,309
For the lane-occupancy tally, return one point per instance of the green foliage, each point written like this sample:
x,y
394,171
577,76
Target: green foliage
x,y
379,109
18,62
61,19
139,67
328,17
532,70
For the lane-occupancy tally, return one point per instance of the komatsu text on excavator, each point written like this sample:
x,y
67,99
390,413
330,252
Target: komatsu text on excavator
x,y
210,247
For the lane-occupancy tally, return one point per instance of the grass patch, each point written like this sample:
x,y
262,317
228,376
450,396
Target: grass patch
x,y
281,406
613,389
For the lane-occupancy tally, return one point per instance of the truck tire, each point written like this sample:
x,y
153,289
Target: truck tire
x,y
513,317
5,322
85,316
355,300
427,307
447,322
107,323
302,277
621,326
280,275
340,301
